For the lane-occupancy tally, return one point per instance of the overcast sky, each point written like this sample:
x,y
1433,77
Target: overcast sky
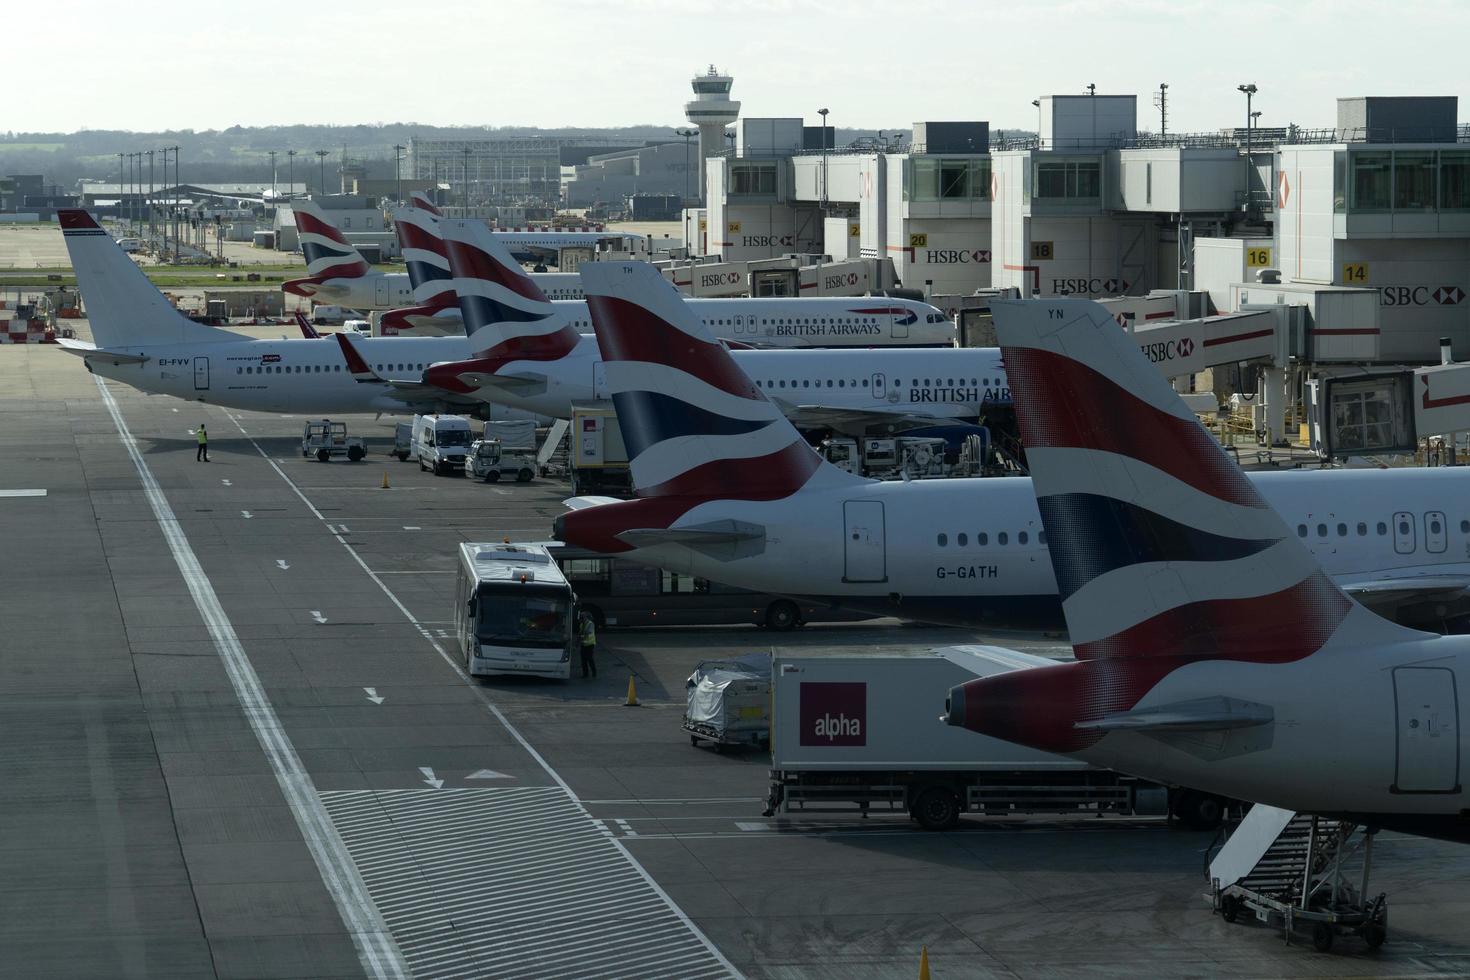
x,y
167,64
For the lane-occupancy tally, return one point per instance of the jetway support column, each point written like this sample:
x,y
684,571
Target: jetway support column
x,y
1273,393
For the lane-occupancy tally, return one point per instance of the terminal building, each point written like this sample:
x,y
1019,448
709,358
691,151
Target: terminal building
x,y
506,169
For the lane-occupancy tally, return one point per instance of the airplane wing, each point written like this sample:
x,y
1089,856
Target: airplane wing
x,y
511,384
1417,588
90,351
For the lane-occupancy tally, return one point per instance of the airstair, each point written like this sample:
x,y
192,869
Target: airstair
x,y
551,458
1299,871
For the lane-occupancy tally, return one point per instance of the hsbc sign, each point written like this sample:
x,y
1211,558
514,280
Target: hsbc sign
x,y
1420,295
1168,350
1108,287
955,256
768,241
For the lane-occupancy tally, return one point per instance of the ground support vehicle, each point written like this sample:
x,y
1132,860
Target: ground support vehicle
x,y
858,734
326,439
728,702
490,461
515,612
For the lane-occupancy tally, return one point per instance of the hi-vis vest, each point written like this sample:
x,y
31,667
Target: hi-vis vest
x,y
589,632
202,437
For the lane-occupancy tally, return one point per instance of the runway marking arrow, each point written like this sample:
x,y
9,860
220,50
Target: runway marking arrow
x,y
374,696
429,777
488,774
281,564
245,514
227,483
316,614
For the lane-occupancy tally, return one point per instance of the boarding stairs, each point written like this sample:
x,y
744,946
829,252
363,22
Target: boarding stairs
x,y
1292,868
551,458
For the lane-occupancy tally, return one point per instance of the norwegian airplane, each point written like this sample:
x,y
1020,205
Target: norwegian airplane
x,y
142,340
728,490
1214,649
529,355
337,272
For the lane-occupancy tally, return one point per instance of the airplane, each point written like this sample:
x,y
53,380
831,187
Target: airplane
x,y
339,274
728,490
140,339
1213,648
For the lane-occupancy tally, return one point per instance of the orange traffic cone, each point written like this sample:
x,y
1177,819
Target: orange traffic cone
x,y
385,480
632,701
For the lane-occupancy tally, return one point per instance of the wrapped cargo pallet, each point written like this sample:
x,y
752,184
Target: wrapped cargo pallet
x,y
729,702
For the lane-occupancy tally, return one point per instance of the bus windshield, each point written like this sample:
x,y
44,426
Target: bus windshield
x,y
522,618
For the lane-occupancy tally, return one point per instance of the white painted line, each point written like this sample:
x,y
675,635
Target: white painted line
x,y
408,528
694,931
429,777
376,948
316,614
374,696
22,493
245,514
227,483
488,774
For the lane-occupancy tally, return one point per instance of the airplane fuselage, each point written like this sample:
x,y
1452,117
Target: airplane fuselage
x,y
973,552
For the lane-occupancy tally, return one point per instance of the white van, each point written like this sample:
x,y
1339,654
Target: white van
x,y
130,244
441,442
326,314
360,327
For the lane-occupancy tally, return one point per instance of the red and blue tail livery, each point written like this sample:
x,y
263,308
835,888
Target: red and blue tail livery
x,y
427,262
328,254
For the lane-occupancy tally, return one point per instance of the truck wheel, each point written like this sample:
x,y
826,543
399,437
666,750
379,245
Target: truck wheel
x,y
422,467
402,456
1229,908
1374,933
782,615
936,808
1199,811
355,453
1322,937
323,455
493,476
524,476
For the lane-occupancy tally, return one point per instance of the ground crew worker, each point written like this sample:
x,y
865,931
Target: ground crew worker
x,y
589,645
201,455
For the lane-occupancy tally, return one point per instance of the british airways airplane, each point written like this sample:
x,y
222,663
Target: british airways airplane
x,y
728,490
1214,647
142,340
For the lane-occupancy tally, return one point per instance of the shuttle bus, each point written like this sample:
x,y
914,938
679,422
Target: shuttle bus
x,y
515,612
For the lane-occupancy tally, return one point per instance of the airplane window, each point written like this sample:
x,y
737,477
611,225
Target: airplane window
x,y
1301,530
981,538
926,382
1362,529
943,540
1382,528
1434,526
783,384
1404,527
1465,527
1001,538
962,539
1321,530
987,382
239,370
843,384
793,382
829,382
806,384
1041,538
1342,530
1021,537
949,382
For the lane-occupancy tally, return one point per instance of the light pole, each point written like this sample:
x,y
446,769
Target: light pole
x,y
1037,104
272,155
1250,90
398,149
823,114
321,161
120,188
466,152
290,173
686,133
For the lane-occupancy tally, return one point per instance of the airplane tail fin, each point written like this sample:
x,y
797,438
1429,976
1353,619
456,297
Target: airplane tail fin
x,y
1160,543
421,201
426,257
1165,554
357,365
307,330
693,422
328,254
501,305
124,308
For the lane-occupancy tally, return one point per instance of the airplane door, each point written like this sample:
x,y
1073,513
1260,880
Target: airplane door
x,y
1436,538
201,374
380,292
1403,533
1428,730
864,551
900,321
599,380
879,387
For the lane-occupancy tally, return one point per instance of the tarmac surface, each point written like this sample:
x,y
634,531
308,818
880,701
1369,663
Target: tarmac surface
x,y
238,745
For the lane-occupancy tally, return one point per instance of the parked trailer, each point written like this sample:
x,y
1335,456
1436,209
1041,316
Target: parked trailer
x,y
858,734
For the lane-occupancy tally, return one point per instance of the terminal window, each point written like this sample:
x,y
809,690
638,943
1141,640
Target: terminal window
x,y
753,178
1069,179
940,179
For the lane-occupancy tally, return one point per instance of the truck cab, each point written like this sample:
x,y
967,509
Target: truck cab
x,y
489,460
441,442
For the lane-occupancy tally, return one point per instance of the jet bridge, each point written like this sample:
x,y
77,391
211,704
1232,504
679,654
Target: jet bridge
x,y
1377,411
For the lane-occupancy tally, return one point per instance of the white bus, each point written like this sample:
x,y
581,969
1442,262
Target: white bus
x,y
515,612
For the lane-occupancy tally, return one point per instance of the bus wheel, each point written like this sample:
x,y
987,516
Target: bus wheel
x,y
782,615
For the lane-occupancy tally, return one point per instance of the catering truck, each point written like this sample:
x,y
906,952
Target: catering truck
x,y
865,733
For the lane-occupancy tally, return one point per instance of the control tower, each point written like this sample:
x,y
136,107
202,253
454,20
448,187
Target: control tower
x,y
711,111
